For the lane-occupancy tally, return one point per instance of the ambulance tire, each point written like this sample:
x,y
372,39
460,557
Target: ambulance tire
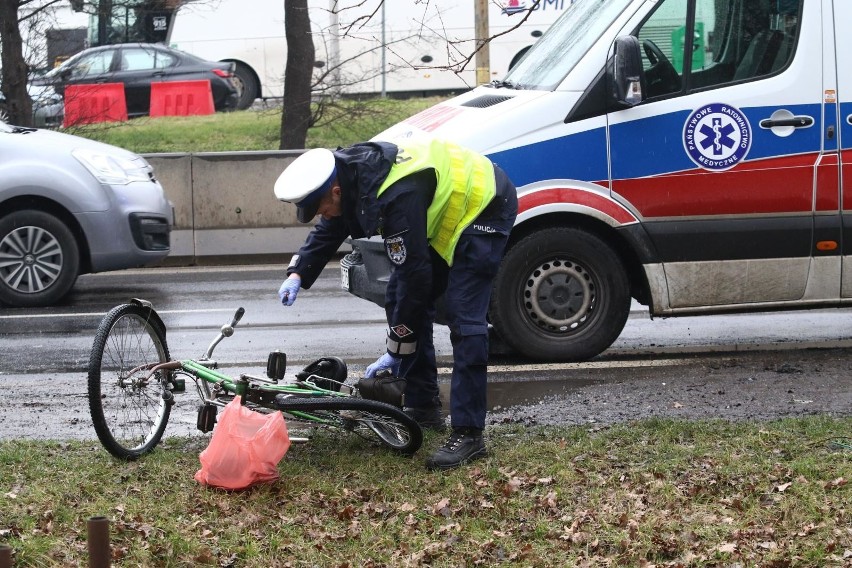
x,y
561,294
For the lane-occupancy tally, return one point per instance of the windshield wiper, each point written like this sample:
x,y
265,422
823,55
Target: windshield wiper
x,y
22,130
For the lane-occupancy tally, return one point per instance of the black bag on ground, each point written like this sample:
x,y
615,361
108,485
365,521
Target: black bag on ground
x,y
385,388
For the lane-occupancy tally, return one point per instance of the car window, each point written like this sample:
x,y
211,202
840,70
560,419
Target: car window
x,y
760,41
92,64
661,37
723,42
165,60
140,59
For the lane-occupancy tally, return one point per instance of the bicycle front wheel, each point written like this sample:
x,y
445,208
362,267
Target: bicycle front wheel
x,y
370,419
129,410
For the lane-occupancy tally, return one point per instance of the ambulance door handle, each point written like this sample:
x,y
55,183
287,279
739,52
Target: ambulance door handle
x,y
795,122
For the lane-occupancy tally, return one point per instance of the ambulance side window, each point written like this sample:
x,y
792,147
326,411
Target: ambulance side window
x,y
743,40
716,43
661,37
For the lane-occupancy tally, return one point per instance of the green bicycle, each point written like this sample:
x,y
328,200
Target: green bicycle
x,y
132,384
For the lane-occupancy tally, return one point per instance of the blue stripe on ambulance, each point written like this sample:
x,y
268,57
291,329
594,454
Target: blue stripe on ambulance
x,y
664,133
580,156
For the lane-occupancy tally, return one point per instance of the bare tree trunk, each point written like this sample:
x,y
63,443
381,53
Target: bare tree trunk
x,y
296,116
14,85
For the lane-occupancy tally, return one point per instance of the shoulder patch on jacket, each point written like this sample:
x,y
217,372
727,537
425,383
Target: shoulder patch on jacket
x,y
395,247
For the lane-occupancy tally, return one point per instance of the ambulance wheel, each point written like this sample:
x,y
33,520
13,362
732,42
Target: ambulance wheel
x,y
561,294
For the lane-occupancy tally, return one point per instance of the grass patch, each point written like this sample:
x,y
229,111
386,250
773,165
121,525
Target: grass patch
x,y
657,492
345,123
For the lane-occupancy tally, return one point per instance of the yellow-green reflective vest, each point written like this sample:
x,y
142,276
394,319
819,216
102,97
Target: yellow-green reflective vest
x,y
465,187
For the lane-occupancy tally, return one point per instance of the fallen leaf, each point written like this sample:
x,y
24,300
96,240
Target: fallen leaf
x,y
511,486
442,508
347,513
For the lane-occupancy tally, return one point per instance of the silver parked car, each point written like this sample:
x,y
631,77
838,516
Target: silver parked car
x,y
69,206
48,107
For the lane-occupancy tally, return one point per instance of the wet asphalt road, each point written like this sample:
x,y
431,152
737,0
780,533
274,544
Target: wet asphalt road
x,y
44,352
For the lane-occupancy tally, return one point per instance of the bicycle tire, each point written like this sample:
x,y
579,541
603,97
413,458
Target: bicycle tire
x,y
369,419
129,415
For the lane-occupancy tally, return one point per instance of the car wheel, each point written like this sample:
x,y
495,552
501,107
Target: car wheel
x,y
39,259
561,294
246,86
4,113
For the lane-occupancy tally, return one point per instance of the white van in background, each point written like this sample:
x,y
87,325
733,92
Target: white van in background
x,y
692,154
425,43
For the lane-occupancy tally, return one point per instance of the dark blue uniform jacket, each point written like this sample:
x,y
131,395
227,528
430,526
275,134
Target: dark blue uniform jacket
x,y
399,215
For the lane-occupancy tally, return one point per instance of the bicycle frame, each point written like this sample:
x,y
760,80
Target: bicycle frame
x,y
252,393
133,382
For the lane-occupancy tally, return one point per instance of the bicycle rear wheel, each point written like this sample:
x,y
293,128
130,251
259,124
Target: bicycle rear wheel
x,y
128,411
369,419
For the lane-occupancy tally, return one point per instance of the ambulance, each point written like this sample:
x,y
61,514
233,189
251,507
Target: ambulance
x,y
689,154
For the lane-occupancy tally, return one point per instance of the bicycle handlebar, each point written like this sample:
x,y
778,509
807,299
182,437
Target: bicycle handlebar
x,y
226,331
238,316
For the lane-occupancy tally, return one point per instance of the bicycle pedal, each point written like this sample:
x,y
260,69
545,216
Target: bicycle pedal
x,y
206,417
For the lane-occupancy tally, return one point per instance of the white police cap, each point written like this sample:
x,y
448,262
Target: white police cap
x,y
305,181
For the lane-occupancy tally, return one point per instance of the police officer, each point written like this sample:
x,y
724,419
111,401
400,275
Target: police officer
x,y
445,214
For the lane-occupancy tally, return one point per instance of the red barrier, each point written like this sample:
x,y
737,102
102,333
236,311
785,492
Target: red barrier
x,y
181,98
86,104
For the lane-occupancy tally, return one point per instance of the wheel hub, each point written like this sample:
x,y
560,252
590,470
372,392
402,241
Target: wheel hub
x,y
558,295
33,259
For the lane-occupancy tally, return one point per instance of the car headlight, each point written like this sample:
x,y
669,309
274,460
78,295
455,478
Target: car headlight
x,y
112,169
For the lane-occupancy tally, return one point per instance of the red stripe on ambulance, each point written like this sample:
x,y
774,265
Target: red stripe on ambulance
x,y
575,197
748,189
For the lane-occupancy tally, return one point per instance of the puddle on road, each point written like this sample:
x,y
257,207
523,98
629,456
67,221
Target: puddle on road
x,y
505,394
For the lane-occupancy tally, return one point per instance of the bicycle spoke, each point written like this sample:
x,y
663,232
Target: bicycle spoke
x,y
128,408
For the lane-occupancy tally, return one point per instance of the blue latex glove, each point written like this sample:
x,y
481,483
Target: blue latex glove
x,y
288,290
386,361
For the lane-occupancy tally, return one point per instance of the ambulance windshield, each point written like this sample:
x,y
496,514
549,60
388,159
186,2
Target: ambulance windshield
x,y
561,47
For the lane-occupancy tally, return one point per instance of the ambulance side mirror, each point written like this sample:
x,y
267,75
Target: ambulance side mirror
x,y
626,72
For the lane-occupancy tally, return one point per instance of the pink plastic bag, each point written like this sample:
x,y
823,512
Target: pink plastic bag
x,y
245,448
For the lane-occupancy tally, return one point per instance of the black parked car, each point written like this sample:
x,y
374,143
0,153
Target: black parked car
x,y
137,65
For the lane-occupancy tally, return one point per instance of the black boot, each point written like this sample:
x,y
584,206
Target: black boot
x,y
430,418
463,445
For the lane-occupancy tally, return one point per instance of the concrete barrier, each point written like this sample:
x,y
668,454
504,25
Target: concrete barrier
x,y
224,205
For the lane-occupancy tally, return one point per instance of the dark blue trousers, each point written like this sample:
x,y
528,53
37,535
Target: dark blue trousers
x,y
465,292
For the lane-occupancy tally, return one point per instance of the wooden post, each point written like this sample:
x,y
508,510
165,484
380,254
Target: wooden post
x,y
483,54
99,551
5,556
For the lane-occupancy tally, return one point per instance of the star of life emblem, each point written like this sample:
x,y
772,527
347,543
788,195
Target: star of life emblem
x,y
717,136
395,248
